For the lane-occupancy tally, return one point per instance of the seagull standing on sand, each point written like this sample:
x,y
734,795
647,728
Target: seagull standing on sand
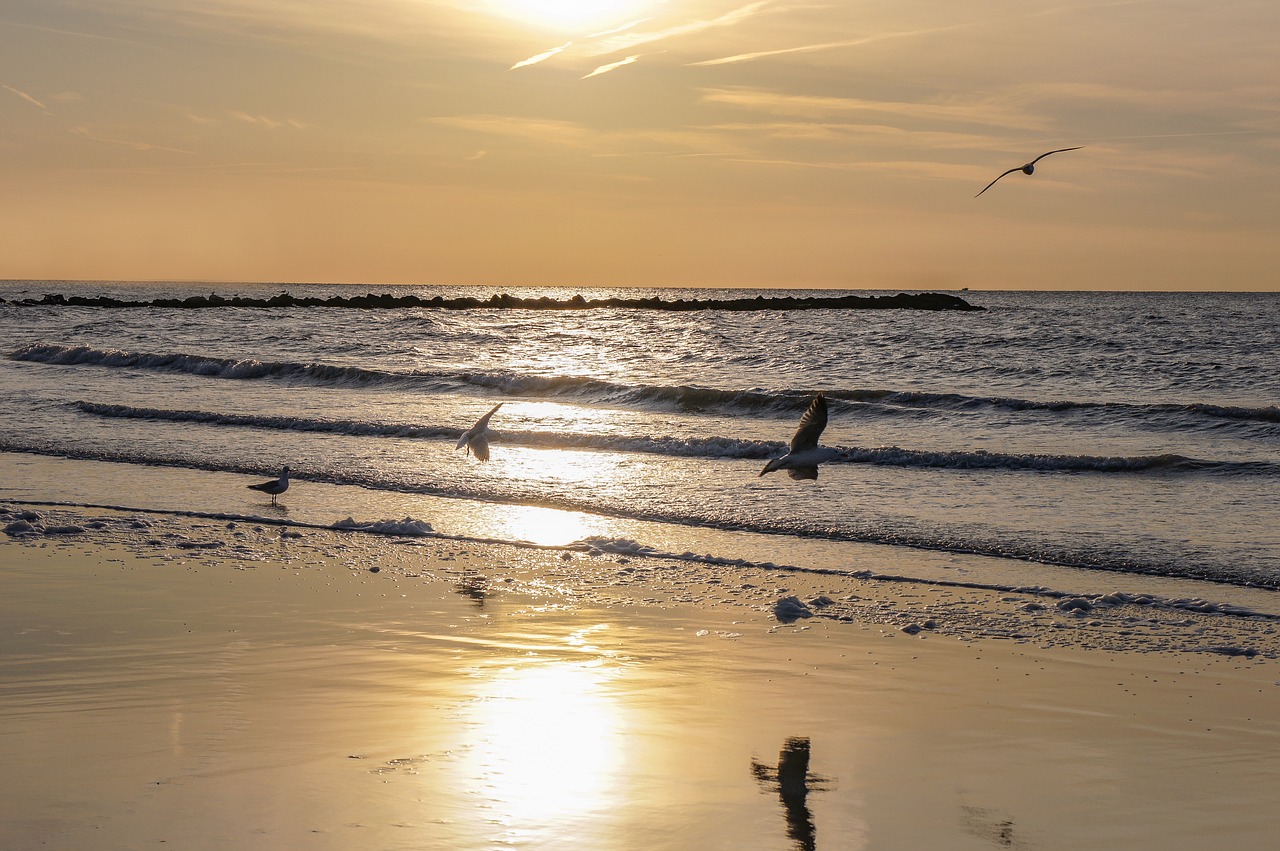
x,y
476,438
1030,167
275,487
804,456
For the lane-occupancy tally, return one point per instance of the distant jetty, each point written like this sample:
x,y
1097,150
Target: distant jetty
x,y
386,301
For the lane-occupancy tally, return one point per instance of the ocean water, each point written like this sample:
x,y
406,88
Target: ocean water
x,y
1128,436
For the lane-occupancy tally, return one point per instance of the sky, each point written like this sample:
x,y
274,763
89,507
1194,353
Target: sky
x,y
643,142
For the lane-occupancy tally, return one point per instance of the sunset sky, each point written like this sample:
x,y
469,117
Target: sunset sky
x,y
643,142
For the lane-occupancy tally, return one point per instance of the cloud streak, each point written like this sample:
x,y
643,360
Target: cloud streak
x,y
134,144
627,26
606,68
977,111
627,42
29,99
828,45
264,121
575,135
541,57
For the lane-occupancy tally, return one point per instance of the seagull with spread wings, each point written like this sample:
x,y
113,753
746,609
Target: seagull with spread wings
x,y
804,455
476,438
1030,167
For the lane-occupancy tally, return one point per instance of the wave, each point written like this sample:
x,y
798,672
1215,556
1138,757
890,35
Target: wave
x,y
209,367
957,401
698,447
504,301
681,397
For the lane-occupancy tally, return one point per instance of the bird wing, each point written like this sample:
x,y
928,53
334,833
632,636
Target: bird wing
x,y
469,435
811,425
1045,154
483,422
993,183
803,473
480,446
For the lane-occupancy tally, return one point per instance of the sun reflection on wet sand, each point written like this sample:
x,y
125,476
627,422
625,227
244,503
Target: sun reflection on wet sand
x,y
547,742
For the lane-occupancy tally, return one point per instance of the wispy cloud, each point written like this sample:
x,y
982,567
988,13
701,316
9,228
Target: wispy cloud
x,y
942,171
605,69
542,57
264,121
135,144
28,98
202,120
631,40
82,35
570,134
978,110
622,38
829,45
878,135
627,26
539,129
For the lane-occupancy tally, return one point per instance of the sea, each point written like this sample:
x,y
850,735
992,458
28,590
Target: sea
x,y
1083,440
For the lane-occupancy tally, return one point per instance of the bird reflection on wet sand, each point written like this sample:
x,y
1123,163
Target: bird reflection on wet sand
x,y
474,588
794,782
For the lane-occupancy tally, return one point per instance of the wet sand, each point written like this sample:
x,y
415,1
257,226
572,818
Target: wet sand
x,y
474,696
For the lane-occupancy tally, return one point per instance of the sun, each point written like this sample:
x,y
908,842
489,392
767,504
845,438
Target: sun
x,y
577,16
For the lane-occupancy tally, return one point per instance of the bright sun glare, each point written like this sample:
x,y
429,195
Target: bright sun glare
x,y
578,16
548,527
547,742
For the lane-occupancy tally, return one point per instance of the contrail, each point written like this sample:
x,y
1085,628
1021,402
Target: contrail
x,y
829,45
541,57
29,99
637,22
1181,135
604,69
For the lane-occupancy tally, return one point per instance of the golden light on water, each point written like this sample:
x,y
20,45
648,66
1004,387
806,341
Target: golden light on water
x,y
546,742
548,527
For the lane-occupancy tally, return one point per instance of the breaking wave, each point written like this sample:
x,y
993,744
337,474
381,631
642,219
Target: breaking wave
x,y
696,447
682,397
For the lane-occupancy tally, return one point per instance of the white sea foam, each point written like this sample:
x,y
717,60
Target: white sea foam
x,y
967,610
407,528
790,609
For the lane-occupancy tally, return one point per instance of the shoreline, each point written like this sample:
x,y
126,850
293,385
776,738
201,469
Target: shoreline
x,y
595,568
273,690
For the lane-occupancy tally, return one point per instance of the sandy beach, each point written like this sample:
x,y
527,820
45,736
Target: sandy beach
x,y
199,683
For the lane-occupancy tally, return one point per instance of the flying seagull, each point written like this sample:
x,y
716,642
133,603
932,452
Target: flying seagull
x,y
275,487
476,438
804,456
1030,167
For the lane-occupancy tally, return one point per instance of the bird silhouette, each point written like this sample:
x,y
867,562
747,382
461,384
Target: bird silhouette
x,y
1030,167
275,487
804,455
476,438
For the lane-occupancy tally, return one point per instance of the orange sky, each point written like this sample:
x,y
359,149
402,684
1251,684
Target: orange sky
x,y
642,143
